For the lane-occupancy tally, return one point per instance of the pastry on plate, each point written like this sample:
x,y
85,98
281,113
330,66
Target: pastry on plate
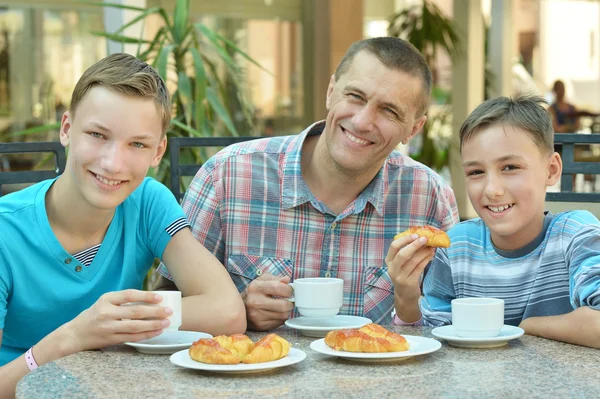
x,y
371,338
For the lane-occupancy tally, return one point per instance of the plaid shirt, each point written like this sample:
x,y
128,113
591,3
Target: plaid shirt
x,y
250,207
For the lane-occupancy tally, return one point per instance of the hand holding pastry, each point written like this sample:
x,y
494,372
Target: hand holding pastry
x,y
406,260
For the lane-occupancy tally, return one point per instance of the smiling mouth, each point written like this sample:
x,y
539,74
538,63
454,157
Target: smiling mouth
x,y
499,209
106,181
353,138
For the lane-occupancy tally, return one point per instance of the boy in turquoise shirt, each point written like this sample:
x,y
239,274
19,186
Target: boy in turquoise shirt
x,y
74,248
545,267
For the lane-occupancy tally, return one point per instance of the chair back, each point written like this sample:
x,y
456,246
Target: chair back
x,y
584,163
31,176
179,170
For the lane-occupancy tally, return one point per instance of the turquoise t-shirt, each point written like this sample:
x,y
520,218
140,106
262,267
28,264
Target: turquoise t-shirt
x,y
42,286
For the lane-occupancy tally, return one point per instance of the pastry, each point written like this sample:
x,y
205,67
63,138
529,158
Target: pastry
x,y
270,348
435,237
238,348
371,338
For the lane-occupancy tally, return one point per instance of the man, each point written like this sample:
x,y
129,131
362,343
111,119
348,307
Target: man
x,y
75,248
328,201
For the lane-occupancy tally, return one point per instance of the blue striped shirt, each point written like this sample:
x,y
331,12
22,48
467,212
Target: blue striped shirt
x,y
553,275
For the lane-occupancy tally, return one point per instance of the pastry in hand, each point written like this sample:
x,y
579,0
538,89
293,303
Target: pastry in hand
x,y
371,338
270,348
435,237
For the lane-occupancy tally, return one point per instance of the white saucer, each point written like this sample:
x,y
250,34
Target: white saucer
x,y
168,342
506,334
183,359
318,328
418,346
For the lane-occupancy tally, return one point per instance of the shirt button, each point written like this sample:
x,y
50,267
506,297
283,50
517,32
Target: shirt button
x,y
77,268
68,260
333,225
258,272
328,274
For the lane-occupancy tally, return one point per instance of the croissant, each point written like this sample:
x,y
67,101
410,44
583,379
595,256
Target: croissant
x,y
208,350
238,344
435,237
269,348
370,338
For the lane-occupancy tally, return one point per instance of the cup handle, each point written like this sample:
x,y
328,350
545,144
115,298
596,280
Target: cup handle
x,y
291,299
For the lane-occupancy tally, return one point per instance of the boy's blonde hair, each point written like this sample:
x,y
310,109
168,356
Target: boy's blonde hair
x,y
525,111
125,74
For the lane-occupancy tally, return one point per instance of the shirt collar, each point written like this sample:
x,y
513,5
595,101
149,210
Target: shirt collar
x,y
294,189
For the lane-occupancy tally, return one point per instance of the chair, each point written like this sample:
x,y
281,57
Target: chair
x,y
566,199
178,170
31,176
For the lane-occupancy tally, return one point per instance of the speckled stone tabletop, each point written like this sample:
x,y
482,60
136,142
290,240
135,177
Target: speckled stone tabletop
x,y
528,367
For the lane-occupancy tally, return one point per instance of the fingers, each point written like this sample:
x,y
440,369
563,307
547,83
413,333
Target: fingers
x,y
410,244
135,337
139,326
125,296
264,311
141,311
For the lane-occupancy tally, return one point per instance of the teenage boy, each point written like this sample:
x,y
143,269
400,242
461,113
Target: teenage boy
x,y
545,267
74,248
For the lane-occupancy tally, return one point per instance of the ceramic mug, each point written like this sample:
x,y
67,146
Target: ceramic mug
x,y
318,297
170,299
477,317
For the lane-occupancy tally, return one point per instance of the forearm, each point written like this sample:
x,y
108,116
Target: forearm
x,y
214,314
47,350
407,310
580,327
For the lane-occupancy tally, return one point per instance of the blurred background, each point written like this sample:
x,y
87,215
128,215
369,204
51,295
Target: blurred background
x,y
269,61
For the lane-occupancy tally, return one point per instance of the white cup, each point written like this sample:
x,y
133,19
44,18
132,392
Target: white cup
x,y
318,297
171,299
477,317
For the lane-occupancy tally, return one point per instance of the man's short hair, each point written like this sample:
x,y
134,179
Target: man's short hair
x,y
127,75
396,54
525,111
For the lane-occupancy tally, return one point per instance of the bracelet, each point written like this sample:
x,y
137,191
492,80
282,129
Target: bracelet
x,y
399,322
31,363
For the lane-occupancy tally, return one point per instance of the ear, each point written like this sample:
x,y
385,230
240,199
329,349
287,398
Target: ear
x,y
554,169
330,92
417,126
160,151
65,128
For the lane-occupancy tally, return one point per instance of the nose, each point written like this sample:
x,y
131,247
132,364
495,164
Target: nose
x,y
364,118
493,186
112,159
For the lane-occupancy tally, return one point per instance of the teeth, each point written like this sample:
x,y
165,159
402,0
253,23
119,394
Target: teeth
x,y
499,208
356,139
108,182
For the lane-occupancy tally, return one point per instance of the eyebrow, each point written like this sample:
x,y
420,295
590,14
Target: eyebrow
x,y
399,111
505,158
100,126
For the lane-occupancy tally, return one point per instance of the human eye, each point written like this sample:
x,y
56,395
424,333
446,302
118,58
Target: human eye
x,y
96,135
508,168
391,112
355,96
474,172
137,144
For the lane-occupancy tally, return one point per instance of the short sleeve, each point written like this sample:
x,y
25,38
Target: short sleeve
x,y
162,214
438,291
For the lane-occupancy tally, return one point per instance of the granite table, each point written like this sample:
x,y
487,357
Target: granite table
x,y
528,367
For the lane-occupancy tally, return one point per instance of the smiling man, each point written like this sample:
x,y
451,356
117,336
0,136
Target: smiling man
x,y
326,202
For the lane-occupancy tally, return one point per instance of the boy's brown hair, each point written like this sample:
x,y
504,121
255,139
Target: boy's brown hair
x,y
525,111
125,74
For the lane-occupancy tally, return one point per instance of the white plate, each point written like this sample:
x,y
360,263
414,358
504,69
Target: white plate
x,y
168,342
506,334
418,346
183,359
318,328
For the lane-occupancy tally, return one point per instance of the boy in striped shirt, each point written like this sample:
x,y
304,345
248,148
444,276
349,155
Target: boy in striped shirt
x,y
545,267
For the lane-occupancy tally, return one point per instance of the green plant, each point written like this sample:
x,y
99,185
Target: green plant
x,y
201,64
429,30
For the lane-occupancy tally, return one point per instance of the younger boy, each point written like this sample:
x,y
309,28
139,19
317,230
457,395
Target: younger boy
x,y
545,267
74,248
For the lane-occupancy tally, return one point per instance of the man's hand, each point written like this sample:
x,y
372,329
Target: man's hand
x,y
265,308
108,323
406,260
